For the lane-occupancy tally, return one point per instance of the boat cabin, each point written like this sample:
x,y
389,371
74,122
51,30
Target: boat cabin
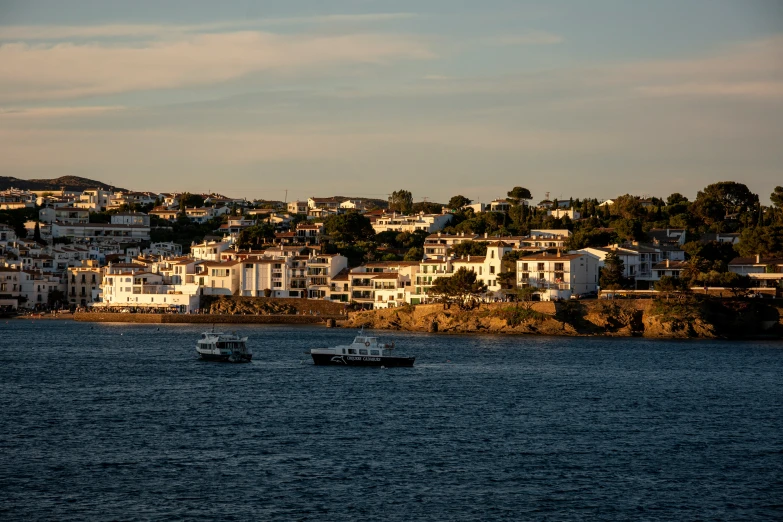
x,y
365,346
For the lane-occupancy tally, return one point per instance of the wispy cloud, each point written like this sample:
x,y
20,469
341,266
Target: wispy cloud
x,y
24,33
45,72
57,112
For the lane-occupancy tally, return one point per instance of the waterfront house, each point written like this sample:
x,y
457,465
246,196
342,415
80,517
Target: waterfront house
x,y
558,276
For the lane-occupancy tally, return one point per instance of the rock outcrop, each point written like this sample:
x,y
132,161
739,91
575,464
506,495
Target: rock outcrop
x,y
680,319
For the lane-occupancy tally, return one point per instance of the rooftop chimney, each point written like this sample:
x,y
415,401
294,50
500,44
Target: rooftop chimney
x,y
758,259
468,257
667,263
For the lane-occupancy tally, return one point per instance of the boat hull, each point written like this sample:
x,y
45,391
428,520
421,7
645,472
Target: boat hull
x,y
326,359
243,358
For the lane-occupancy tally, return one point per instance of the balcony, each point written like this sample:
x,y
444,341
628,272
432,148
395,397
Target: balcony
x,y
362,296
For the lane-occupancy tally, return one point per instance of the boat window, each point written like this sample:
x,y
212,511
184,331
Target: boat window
x,y
374,352
343,350
351,350
362,352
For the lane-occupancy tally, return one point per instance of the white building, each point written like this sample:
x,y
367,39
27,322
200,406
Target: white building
x,y
209,250
558,276
298,207
164,249
143,289
65,215
7,234
560,213
353,204
101,231
630,258
94,200
321,268
130,218
401,223
488,267
323,203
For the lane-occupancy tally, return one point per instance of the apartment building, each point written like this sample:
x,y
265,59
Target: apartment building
x,y
84,284
321,268
558,276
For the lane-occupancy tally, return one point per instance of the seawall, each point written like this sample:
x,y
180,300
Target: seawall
x,y
202,319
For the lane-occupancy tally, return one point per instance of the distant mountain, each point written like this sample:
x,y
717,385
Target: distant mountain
x,y
69,182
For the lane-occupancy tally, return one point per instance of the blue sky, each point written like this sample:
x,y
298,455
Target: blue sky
x,y
363,97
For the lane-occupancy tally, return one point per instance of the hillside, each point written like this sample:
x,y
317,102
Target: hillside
x,y
69,182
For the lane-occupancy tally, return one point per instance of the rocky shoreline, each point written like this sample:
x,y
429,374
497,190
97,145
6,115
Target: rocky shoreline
x,y
677,319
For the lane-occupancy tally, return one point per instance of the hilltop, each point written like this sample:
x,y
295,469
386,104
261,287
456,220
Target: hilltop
x,y
69,182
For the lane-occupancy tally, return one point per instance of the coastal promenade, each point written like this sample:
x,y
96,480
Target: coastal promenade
x,y
202,318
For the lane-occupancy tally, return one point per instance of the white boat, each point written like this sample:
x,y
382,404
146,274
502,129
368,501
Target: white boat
x,y
364,351
223,347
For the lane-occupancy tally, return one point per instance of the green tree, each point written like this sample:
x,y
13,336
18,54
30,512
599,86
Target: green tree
x,y
469,248
668,285
37,234
718,200
760,240
628,207
628,229
414,254
588,237
349,227
518,194
401,201
190,200
457,202
523,296
256,235
777,197
612,272
676,199
463,288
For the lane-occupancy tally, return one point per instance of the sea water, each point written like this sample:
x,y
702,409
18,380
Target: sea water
x,y
123,422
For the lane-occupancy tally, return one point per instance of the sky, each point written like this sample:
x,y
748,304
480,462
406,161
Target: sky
x,y
299,98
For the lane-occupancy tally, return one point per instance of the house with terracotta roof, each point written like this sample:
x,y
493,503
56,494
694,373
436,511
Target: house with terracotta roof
x,y
323,203
165,213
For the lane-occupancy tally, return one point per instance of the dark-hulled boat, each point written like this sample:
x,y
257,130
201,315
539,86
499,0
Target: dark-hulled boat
x,y
364,351
222,347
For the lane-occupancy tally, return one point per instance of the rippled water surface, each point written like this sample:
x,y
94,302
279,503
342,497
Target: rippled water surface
x,y
102,422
